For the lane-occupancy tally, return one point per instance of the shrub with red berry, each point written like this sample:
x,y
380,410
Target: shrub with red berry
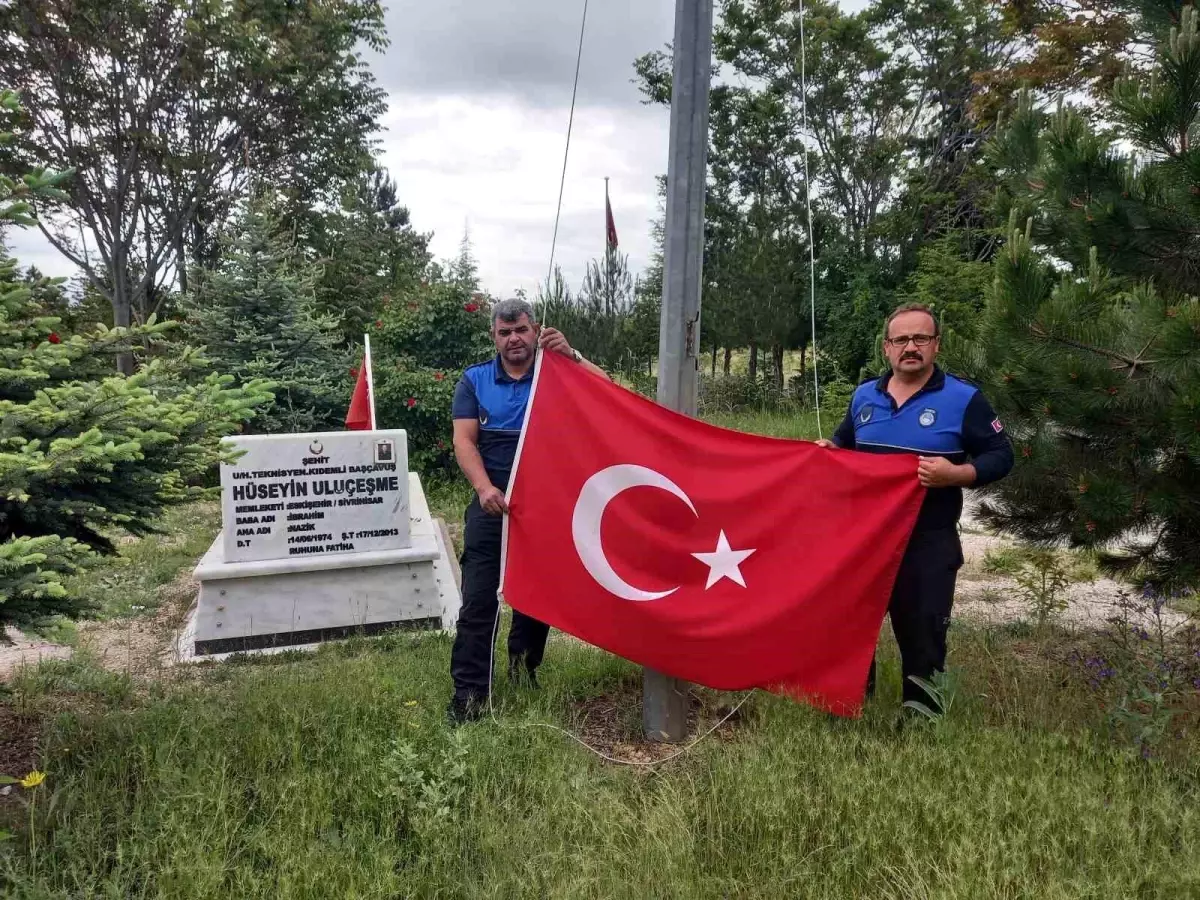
x,y
426,338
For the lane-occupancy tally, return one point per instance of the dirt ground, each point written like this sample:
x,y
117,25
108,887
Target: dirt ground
x,y
993,599
137,646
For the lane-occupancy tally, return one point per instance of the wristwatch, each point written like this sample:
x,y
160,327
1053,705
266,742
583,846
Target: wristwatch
x,y
576,355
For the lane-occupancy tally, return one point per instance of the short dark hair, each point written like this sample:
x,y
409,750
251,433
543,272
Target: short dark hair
x,y
511,310
913,307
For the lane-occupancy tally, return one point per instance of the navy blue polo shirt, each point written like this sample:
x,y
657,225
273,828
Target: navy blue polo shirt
x,y
497,401
948,417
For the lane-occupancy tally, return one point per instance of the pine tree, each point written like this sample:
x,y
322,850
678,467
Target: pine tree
x,y
368,250
82,456
255,316
1095,370
465,268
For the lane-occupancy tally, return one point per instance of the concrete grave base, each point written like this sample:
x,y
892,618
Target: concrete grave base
x,y
268,606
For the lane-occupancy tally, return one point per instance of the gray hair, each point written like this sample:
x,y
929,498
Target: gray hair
x,y
511,311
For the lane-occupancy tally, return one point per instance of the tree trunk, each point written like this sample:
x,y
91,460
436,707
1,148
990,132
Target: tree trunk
x,y
728,359
714,361
181,257
122,318
803,361
753,360
122,304
777,360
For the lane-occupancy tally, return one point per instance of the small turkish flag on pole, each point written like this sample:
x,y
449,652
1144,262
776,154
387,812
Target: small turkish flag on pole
x,y
724,559
610,224
361,414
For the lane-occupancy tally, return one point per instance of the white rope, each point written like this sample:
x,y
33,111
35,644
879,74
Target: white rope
x,y
812,261
580,741
566,154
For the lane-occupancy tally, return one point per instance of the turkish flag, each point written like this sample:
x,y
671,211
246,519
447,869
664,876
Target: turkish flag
x,y
610,225
358,416
725,559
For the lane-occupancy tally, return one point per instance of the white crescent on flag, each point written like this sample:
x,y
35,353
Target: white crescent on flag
x,y
597,492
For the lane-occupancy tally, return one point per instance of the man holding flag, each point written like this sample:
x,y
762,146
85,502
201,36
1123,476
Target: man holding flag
x,y
916,408
490,401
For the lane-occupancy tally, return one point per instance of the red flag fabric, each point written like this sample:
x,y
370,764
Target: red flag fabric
x,y
726,559
610,223
358,416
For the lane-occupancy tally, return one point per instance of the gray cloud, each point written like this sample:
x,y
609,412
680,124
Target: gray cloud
x,y
523,49
479,96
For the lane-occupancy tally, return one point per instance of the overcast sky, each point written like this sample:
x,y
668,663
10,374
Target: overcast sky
x,y
479,95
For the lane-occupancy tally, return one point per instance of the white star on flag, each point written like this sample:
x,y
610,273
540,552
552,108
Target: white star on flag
x,y
724,562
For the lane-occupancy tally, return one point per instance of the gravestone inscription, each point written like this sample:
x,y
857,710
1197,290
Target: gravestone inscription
x,y
290,496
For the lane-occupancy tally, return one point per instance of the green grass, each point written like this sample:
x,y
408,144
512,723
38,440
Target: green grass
x,y
334,775
798,425
1009,560
129,584
283,779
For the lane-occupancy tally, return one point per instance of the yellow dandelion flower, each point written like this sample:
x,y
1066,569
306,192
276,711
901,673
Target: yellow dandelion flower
x,y
411,703
33,779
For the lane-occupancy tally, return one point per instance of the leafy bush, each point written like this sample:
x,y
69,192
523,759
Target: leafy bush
x,y
420,348
836,395
1147,668
1041,582
424,787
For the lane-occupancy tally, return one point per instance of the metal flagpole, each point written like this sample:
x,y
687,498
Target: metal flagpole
x,y
370,380
665,700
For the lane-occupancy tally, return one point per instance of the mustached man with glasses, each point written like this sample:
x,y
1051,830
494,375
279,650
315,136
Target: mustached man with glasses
x,y
918,408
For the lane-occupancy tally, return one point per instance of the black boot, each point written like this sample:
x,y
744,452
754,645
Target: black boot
x,y
462,711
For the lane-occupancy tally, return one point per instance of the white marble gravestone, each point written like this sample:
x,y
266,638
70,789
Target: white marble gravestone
x,y
323,535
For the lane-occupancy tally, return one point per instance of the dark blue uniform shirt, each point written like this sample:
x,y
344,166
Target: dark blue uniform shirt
x,y
948,417
497,401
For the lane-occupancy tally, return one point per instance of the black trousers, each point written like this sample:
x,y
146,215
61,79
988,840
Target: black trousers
x,y
922,599
470,660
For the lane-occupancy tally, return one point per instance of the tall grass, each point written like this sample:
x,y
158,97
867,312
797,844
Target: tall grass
x,y
335,776
800,425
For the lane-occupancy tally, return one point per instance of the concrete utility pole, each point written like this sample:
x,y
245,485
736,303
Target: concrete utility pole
x,y
664,700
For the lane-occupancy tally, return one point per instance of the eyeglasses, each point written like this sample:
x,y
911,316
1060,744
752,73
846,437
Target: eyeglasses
x,y
921,340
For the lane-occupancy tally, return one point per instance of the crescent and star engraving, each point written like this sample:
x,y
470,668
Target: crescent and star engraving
x,y
598,491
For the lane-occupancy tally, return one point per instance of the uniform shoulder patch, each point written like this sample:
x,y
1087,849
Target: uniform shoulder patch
x,y
997,426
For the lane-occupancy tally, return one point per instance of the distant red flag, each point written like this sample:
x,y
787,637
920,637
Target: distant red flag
x,y
358,417
610,223
725,559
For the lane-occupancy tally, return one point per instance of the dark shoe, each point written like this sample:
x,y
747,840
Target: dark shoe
x,y
461,712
